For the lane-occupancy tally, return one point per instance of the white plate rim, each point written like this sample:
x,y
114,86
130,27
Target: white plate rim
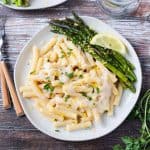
x,y
30,7
94,137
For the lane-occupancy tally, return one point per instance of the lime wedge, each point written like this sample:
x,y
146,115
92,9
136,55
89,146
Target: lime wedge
x,y
110,41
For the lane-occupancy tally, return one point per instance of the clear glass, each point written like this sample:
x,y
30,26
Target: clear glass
x,y
118,7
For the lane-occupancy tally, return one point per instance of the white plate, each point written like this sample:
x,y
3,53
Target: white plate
x,y
108,124
36,4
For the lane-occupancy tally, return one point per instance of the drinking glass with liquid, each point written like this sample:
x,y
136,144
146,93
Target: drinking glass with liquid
x,y
119,7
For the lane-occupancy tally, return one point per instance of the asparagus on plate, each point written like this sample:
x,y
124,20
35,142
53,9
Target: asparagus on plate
x,y
81,34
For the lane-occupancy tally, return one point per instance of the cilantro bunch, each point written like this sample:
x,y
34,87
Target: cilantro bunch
x,y
142,112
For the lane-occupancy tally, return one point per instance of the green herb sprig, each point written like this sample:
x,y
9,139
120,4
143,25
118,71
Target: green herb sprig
x,y
66,98
69,75
142,112
85,95
81,76
33,72
48,87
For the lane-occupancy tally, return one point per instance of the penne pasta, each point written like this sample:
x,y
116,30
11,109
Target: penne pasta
x,y
34,59
63,123
118,97
65,113
111,105
48,46
37,90
29,94
84,125
69,87
25,88
39,64
96,115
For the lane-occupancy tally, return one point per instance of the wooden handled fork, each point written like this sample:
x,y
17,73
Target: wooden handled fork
x,y
18,108
5,77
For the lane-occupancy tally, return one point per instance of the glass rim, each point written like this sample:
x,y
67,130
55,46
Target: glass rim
x,y
125,2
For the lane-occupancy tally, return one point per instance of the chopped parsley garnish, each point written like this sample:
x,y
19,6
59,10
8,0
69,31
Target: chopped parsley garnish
x,y
33,72
69,53
48,87
57,130
62,54
141,112
66,98
69,75
97,90
94,104
62,83
89,98
85,95
81,76
92,90
70,49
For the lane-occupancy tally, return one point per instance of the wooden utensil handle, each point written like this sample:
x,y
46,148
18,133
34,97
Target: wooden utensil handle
x,y
17,105
5,94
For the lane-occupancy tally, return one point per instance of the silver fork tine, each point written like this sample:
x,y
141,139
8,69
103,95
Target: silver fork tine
x,y
2,25
2,33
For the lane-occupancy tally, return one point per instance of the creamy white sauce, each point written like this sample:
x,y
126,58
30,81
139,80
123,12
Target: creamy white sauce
x,y
106,92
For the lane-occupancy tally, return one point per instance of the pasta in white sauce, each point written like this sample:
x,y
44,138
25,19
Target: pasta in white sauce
x,y
69,86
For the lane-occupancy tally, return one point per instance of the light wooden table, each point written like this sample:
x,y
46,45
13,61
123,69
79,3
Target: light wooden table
x,y
18,133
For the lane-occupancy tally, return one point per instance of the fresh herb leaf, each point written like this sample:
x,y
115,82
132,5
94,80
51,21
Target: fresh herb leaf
x,y
89,98
142,112
69,75
57,130
66,98
117,147
85,95
48,87
33,72
69,53
94,104
81,76
62,54
70,49
55,120
92,90
97,90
